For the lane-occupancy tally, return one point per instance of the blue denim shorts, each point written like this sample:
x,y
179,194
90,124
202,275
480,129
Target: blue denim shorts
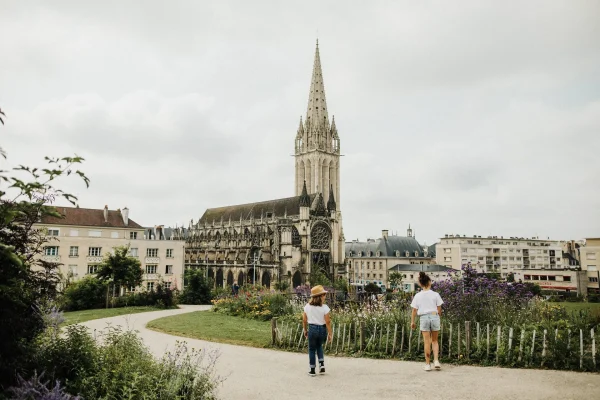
x,y
430,322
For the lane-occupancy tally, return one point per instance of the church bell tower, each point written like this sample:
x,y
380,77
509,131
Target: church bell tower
x,y
317,144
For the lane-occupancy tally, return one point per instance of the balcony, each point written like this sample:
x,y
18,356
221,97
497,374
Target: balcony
x,y
152,260
52,259
94,259
150,277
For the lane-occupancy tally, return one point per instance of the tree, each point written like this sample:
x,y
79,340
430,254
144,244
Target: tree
x,y
120,269
372,288
197,288
510,277
318,277
26,282
395,279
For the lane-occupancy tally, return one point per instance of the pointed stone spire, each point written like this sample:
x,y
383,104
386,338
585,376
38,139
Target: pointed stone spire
x,y
334,132
304,198
316,112
300,128
331,202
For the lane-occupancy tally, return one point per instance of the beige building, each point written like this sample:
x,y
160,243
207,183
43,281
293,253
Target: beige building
x,y
590,261
372,260
80,239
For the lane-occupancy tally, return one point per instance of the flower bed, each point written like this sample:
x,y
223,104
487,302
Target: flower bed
x,y
254,303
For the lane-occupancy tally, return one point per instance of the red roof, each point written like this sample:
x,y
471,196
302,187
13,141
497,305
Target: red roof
x,y
90,217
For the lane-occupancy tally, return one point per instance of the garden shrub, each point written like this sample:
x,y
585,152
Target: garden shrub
x,y
197,288
254,304
121,367
35,389
85,294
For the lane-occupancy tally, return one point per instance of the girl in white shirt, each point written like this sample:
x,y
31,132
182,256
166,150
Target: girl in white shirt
x,y
316,322
428,305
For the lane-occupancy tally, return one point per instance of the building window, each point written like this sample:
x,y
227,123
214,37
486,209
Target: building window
x,y
169,253
593,279
74,251
368,264
447,250
167,285
74,232
447,258
92,268
350,254
592,268
151,268
567,278
150,286
151,252
527,277
133,235
397,253
380,265
72,269
169,270
53,232
114,235
95,251
51,251
590,256
133,252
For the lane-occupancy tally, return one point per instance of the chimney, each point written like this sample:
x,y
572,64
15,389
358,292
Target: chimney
x,y
125,215
384,233
105,212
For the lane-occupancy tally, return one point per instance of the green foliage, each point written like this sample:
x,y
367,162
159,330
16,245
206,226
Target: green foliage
x,y
26,282
395,279
372,288
197,288
510,277
318,277
282,286
256,304
123,368
85,294
121,269
341,285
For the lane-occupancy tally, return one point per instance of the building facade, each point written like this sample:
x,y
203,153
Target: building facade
x,y
79,240
372,261
284,239
590,261
548,263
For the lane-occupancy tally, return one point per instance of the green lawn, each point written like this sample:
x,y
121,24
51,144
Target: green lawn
x,y
215,327
593,307
75,317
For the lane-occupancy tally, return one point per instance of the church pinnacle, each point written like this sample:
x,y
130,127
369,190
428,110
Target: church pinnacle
x,y
316,112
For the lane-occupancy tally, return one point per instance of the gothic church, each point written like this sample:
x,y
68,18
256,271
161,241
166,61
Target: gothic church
x,y
284,239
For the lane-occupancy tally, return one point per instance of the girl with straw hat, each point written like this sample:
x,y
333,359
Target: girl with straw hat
x,y
316,322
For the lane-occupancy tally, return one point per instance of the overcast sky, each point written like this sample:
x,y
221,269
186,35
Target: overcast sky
x,y
470,117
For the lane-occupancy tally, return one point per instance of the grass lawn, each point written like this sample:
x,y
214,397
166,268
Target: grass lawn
x,y
75,317
215,327
593,307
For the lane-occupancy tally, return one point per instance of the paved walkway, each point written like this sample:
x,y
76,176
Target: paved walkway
x,y
268,374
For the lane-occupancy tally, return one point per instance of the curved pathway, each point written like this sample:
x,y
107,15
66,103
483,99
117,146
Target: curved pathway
x,y
267,374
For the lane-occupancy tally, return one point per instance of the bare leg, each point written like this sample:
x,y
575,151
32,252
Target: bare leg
x,y
427,346
436,345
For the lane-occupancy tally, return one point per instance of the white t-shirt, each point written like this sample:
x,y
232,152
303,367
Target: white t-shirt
x,y
426,301
316,314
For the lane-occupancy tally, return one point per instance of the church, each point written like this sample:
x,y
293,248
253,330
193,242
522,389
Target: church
x,y
281,240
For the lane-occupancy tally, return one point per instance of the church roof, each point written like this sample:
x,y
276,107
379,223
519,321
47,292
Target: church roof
x,y
279,207
387,247
420,267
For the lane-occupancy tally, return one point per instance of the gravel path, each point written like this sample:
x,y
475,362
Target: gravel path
x,y
268,374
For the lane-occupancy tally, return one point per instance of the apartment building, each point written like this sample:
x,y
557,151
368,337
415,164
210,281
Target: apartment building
x,y
550,263
410,274
590,261
371,261
80,239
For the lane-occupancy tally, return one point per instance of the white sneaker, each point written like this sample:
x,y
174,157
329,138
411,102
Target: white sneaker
x,y
437,365
427,367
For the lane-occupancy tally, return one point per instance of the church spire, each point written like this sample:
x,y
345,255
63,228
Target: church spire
x,y
316,112
304,198
331,202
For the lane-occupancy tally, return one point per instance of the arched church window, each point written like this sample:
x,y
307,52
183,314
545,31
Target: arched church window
x,y
320,237
296,239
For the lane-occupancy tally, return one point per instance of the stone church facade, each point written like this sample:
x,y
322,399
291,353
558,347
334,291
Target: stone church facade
x,y
283,239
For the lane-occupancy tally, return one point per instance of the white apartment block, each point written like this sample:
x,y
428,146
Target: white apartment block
x,y
80,239
529,259
590,261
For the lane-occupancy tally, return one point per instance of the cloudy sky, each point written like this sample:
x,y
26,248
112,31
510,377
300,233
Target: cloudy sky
x,y
470,117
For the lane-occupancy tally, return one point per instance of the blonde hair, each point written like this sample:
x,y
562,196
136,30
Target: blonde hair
x,y
317,300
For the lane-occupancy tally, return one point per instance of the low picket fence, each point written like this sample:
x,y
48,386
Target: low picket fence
x,y
468,343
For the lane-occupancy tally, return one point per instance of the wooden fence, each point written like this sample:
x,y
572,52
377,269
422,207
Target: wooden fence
x,y
468,342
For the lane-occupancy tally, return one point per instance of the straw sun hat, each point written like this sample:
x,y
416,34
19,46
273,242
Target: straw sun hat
x,y
317,291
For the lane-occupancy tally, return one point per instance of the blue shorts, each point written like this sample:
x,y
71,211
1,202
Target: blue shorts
x,y
430,322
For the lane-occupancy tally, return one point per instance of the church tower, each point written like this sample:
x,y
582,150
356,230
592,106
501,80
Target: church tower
x,y
317,153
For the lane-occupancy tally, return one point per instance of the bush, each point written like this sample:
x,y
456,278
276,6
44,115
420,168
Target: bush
x,y
35,389
85,294
282,286
123,368
259,305
197,288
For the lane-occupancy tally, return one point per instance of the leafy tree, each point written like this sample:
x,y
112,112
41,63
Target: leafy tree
x,y
197,288
395,279
372,288
318,277
510,277
341,285
26,282
120,269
